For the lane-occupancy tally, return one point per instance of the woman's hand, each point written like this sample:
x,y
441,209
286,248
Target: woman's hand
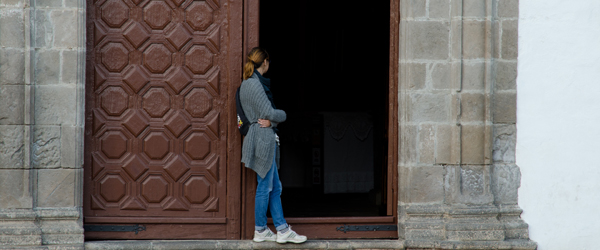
x,y
264,123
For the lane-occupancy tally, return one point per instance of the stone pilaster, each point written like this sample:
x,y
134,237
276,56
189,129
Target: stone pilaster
x,y
458,180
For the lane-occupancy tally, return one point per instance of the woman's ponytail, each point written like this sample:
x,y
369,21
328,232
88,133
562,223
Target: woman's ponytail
x,y
255,59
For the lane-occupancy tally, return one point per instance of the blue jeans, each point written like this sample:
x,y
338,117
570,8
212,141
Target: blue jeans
x,y
268,195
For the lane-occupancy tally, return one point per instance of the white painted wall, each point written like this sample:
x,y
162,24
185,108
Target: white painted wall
x,y
558,122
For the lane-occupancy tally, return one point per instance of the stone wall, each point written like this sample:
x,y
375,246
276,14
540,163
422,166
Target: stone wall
x,y
458,178
41,123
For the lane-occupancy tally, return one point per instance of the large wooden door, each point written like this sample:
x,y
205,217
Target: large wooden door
x,y
160,78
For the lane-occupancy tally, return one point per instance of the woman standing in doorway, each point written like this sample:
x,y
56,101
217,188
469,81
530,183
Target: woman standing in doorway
x,y
260,151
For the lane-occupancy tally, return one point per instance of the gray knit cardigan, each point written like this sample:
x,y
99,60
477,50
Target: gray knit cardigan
x,y
259,144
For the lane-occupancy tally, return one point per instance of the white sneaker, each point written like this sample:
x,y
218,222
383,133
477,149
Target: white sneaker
x,y
290,236
267,235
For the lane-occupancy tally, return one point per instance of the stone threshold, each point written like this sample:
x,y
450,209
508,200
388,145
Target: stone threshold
x,y
240,244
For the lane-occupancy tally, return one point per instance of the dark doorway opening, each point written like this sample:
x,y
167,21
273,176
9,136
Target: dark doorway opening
x,y
329,71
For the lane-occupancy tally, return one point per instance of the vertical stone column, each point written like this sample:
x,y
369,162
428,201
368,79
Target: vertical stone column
x,y
41,123
458,181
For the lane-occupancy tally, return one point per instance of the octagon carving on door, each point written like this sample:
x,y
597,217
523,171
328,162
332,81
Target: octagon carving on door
x,y
157,112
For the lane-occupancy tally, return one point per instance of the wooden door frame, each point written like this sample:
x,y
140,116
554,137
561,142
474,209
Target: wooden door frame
x,y
317,227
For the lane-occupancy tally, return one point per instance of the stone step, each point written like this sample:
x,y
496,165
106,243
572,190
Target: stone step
x,y
240,244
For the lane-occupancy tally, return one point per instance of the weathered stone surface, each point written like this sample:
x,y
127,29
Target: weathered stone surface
x,y
505,138
69,66
416,75
439,9
504,107
55,105
427,143
429,107
474,8
473,39
11,104
70,147
506,75
408,144
56,187
48,3
72,3
426,184
413,8
445,75
469,185
508,8
12,28
472,107
448,144
473,144
65,28
12,66
428,40
12,146
14,184
47,67
473,76
506,180
42,30
510,34
46,147
12,3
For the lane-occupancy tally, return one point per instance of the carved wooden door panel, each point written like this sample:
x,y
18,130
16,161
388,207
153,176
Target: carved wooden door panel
x,y
157,111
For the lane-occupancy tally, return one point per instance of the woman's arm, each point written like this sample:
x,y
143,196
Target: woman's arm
x,y
263,105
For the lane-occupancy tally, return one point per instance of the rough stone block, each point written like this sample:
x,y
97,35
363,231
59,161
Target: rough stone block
x,y
506,180
505,138
14,184
426,184
468,185
447,144
47,68
416,74
55,105
11,104
69,66
46,147
473,76
12,28
428,40
12,146
506,75
48,3
413,8
65,28
456,50
42,31
508,8
56,187
473,144
12,66
473,39
12,3
445,75
69,146
472,107
72,3
474,8
504,108
427,143
510,36
439,9
408,144
429,107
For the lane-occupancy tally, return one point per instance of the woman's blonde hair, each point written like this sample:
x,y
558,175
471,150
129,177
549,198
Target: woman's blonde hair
x,y
255,59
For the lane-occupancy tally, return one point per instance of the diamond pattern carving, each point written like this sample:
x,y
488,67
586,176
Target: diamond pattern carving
x,y
136,34
99,77
156,145
199,15
198,102
136,78
113,144
196,189
154,188
177,124
157,58
115,57
199,59
156,102
179,36
114,100
176,168
136,123
135,168
114,13
178,80
112,188
157,14
178,2
197,145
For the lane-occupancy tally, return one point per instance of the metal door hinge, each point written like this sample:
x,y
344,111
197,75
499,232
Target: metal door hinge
x,y
346,228
114,228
